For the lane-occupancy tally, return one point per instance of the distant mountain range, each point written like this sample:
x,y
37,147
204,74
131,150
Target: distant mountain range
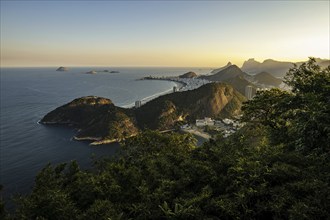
x,y
274,67
266,78
267,74
232,75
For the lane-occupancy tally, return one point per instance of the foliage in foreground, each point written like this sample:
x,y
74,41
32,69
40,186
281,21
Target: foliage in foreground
x,y
276,167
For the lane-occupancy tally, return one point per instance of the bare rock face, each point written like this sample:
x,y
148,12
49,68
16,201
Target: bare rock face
x,y
62,68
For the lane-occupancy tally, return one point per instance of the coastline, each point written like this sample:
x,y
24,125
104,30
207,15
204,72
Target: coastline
x,y
179,85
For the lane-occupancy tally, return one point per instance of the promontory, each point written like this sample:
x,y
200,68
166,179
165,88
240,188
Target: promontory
x,y
99,120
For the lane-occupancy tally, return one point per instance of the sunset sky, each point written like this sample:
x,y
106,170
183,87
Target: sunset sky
x,y
161,33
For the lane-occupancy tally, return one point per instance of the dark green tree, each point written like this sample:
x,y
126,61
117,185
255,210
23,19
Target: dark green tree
x,y
300,119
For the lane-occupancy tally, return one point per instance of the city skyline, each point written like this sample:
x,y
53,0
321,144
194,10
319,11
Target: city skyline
x,y
152,33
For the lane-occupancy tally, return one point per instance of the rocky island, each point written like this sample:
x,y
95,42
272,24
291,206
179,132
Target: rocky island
x,y
91,72
188,75
99,120
62,68
112,71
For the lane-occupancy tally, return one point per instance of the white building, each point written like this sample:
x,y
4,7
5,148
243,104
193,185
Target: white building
x,y
204,122
138,104
227,121
248,92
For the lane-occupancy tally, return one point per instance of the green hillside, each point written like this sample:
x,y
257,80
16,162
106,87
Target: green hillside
x,y
267,79
209,100
96,118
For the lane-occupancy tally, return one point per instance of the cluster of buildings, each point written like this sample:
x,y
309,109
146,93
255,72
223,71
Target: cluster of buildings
x,y
227,126
204,122
189,83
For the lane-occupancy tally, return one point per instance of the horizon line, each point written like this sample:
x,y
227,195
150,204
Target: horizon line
x,y
159,66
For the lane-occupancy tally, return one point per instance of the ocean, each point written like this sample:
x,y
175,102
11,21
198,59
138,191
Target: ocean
x,y
27,94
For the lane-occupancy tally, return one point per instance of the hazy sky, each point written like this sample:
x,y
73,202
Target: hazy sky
x,y
161,33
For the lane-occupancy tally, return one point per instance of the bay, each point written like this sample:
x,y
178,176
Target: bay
x,y
27,94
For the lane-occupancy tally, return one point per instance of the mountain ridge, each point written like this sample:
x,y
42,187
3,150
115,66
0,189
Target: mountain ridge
x,y
276,68
225,73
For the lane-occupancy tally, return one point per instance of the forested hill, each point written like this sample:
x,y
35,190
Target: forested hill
x,y
99,120
211,100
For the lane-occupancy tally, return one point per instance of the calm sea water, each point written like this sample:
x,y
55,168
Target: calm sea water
x,y
27,94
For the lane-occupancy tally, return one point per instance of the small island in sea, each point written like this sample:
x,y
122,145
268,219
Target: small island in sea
x,y
104,71
62,68
91,72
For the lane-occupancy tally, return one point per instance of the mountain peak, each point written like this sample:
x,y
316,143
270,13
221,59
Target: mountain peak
x,y
269,60
225,73
221,68
233,67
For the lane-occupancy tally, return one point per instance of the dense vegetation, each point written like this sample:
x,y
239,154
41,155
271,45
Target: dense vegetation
x,y
276,167
95,117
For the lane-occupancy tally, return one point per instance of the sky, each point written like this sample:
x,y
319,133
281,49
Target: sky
x,y
161,33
